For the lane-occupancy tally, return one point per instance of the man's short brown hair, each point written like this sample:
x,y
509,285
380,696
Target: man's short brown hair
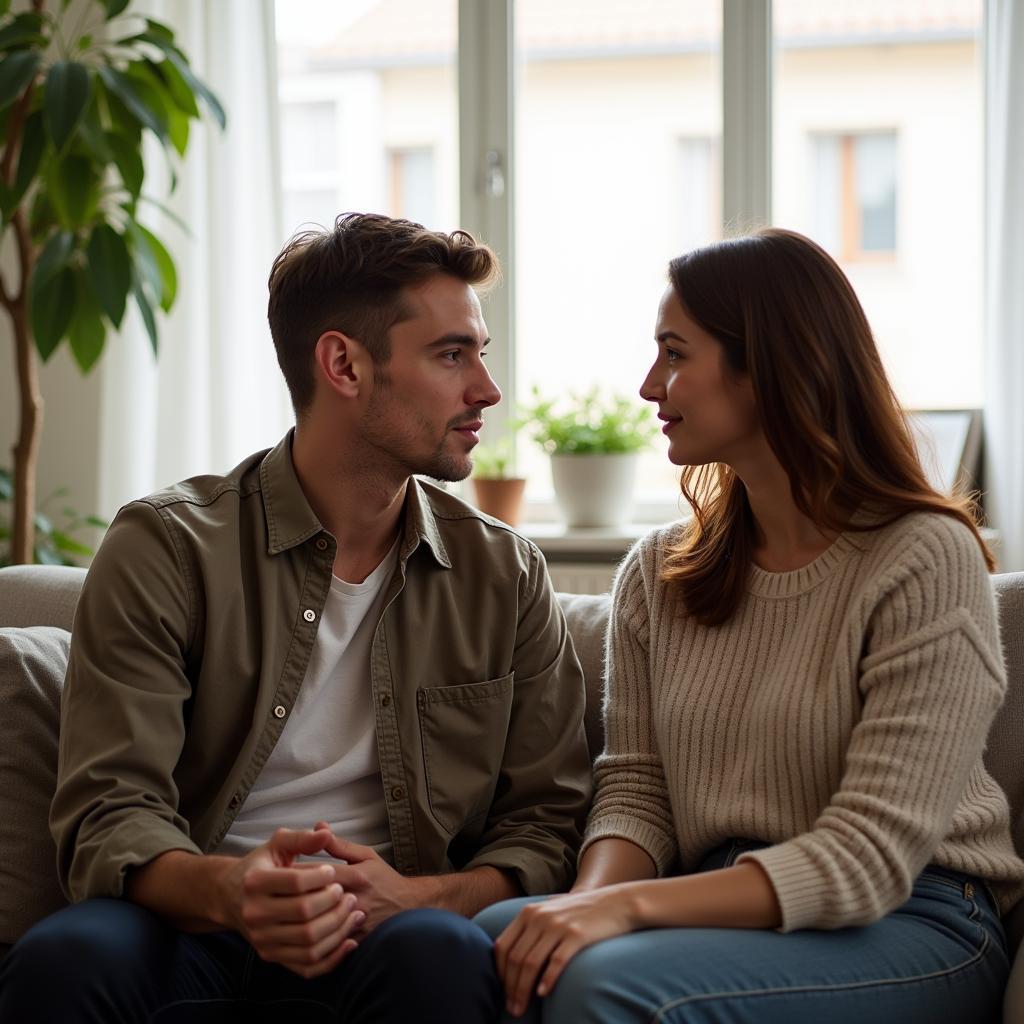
x,y
350,279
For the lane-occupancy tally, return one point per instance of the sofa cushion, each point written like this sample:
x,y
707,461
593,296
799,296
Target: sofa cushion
x,y
587,618
39,595
1003,755
32,665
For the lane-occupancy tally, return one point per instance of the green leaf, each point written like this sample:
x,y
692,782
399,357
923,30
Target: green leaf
x,y
196,85
68,91
41,217
88,332
100,524
114,7
54,257
177,129
16,71
184,98
158,28
128,160
140,99
147,315
53,302
168,275
155,265
62,542
109,270
74,188
25,29
90,131
168,213
5,6
33,142
147,273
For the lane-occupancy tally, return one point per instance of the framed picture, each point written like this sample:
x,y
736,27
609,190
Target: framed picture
x,y
949,445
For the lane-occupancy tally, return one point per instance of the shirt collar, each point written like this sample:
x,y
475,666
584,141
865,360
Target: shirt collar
x,y
291,521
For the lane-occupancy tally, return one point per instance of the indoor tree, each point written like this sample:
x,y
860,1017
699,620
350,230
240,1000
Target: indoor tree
x,y
81,85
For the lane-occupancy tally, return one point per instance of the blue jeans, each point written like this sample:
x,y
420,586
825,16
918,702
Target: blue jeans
x,y
939,959
111,962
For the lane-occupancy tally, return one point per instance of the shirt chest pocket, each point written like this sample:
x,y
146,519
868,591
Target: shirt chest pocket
x,y
463,731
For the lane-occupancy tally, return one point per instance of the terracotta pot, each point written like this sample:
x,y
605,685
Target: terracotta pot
x,y
500,497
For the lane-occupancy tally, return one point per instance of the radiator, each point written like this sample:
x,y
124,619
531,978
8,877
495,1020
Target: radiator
x,y
581,577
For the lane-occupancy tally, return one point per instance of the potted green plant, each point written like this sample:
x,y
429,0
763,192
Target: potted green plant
x,y
79,93
594,440
498,491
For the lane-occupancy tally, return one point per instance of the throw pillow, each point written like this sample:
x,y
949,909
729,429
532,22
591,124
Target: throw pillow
x,y
32,665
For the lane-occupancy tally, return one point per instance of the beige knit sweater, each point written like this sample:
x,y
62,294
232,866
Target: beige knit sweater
x,y
840,715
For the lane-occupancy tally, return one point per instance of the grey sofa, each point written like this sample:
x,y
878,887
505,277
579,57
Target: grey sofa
x,y
37,606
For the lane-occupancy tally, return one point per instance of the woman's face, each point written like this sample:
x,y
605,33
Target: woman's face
x,y
708,412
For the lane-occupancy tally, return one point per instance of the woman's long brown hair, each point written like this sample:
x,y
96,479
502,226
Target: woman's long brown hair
x,y
786,315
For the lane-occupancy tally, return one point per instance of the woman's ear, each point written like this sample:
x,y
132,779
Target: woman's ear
x,y
341,362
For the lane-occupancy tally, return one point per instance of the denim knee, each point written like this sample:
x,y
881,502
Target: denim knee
x,y
88,946
497,917
426,939
426,965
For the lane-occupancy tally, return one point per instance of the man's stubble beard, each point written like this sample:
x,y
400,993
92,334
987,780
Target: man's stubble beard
x,y
439,465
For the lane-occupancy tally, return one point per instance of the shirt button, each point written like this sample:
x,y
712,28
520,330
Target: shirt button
x,y
280,711
385,700
309,615
235,800
397,793
321,545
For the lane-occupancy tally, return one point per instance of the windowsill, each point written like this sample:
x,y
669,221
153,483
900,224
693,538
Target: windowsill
x,y
559,542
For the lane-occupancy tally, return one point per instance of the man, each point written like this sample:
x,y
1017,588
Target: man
x,y
317,712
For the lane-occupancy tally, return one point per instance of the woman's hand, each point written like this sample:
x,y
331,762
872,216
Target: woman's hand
x,y
544,937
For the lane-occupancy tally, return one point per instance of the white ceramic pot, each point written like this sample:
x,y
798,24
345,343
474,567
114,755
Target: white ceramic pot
x,y
594,490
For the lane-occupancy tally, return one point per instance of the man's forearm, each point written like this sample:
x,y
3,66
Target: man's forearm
x,y
468,892
185,888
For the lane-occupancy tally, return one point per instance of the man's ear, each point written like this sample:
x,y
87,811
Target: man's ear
x,y
342,363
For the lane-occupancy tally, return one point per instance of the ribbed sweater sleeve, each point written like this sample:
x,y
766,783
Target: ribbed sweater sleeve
x,y
632,800
931,682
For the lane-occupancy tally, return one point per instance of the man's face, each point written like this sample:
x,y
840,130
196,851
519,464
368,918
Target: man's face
x,y
425,411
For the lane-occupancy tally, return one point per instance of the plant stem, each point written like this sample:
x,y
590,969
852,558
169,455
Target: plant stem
x,y
26,450
30,399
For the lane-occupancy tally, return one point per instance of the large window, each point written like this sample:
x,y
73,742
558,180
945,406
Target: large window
x,y
629,131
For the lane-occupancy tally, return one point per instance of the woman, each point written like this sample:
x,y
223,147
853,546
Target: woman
x,y
792,820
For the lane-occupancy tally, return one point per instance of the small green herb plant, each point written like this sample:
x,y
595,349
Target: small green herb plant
x,y
56,542
587,423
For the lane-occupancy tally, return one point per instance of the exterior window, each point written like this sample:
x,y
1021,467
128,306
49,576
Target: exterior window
x,y
618,121
854,181
368,110
877,154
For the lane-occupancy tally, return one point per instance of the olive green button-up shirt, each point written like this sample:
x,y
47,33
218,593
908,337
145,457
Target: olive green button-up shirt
x,y
191,640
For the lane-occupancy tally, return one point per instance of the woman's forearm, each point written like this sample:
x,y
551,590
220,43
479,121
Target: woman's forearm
x,y
735,897
611,861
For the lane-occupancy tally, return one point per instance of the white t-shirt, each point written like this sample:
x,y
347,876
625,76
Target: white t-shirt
x,y
325,765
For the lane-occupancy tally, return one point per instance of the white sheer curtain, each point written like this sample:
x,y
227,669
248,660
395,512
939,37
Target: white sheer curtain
x,y
215,394
1004,395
